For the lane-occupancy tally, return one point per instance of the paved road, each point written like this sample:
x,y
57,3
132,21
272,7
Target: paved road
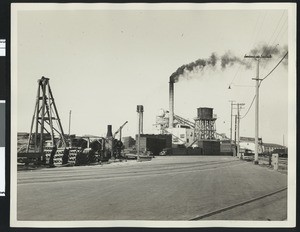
x,y
166,188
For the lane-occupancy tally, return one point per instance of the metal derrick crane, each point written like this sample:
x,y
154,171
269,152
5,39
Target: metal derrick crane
x,y
120,130
45,114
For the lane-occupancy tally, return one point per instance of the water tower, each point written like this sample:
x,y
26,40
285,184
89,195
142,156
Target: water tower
x,y
205,127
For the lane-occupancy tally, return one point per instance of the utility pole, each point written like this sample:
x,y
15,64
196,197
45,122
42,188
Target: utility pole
x,y
257,58
237,126
70,122
239,107
231,101
235,129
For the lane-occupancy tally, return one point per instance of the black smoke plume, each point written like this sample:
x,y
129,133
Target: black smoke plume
x,y
229,59
265,50
276,52
198,64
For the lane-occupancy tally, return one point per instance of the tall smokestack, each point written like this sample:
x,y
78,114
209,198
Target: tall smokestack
x,y
171,103
109,143
109,131
140,110
141,123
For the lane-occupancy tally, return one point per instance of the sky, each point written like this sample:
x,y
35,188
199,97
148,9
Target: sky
x,y
103,63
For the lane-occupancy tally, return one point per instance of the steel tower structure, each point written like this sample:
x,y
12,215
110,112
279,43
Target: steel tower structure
x,y
44,118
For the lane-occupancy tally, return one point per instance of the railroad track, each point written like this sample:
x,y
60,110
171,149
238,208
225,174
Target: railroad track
x,y
235,206
114,173
164,189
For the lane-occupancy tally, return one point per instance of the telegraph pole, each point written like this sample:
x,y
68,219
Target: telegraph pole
x,y
237,126
257,58
231,101
235,129
70,122
239,105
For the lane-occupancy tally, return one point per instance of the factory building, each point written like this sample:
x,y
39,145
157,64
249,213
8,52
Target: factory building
x,y
199,134
155,143
271,147
182,135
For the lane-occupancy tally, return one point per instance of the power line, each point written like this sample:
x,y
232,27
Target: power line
x,y
276,28
235,74
255,32
261,81
254,35
274,32
249,107
261,26
279,32
283,33
279,26
274,67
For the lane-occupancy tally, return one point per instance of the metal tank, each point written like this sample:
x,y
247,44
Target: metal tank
x,y
205,113
205,128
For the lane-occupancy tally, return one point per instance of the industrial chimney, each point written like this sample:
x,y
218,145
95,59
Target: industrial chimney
x,y
171,103
109,131
140,110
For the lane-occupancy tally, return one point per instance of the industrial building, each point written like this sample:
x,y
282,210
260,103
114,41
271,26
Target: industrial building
x,y
186,134
182,135
155,143
271,147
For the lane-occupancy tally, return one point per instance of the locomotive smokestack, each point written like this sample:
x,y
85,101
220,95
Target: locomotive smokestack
x,y
109,131
171,103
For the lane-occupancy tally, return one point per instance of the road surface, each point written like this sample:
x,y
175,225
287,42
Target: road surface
x,y
166,188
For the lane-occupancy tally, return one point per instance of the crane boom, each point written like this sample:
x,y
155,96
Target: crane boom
x,y
120,130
